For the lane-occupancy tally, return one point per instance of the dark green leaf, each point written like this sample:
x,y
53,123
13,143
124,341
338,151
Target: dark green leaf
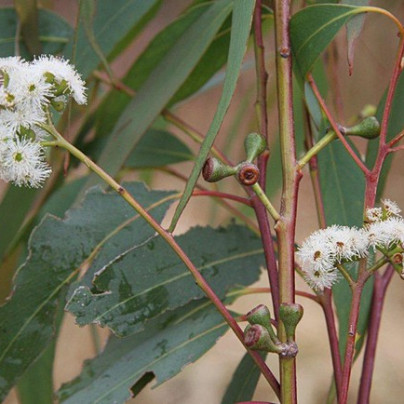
x,y
54,32
112,22
240,31
168,343
162,83
343,186
314,27
57,250
158,148
244,381
147,280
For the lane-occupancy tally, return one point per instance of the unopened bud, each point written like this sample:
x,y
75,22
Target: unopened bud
x,y
214,170
59,106
262,316
254,145
369,128
247,173
290,315
256,337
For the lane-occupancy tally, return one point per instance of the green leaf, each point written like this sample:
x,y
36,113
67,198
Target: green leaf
x,y
112,22
244,381
158,148
168,344
314,27
210,62
161,85
57,249
54,32
353,29
240,31
149,279
27,11
343,186
395,125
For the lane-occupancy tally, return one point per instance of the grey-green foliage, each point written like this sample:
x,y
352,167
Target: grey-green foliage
x,y
169,342
57,248
150,279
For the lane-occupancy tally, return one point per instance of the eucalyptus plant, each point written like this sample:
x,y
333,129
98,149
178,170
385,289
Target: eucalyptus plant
x,y
78,238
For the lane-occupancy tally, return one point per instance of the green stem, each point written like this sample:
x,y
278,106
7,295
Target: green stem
x,y
169,239
265,201
285,226
324,141
346,275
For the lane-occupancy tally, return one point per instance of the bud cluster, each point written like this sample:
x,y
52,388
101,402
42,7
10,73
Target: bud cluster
x,y
27,90
322,252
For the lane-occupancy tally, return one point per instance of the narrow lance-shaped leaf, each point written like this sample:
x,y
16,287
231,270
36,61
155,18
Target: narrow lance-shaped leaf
x,y
314,27
168,343
240,31
162,84
150,279
244,381
57,249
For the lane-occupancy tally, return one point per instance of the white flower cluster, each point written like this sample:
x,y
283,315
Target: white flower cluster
x,y
322,252
27,90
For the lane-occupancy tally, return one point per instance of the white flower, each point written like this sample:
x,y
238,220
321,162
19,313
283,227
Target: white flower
x,y
319,280
374,214
62,70
315,253
19,116
391,208
22,162
386,233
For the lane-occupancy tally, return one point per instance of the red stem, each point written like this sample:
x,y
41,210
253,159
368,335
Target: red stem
x,y
260,211
357,289
334,125
222,195
326,304
379,293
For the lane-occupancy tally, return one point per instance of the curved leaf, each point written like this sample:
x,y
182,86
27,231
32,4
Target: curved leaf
x,y
57,250
168,343
314,27
240,31
149,279
162,83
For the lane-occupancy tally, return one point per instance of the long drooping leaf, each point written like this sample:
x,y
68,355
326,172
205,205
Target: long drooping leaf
x,y
162,83
168,343
244,381
57,250
343,186
27,11
54,32
150,279
314,27
210,62
240,31
112,22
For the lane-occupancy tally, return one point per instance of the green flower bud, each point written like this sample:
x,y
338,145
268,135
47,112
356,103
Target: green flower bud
x,y
369,128
254,145
290,315
257,338
58,105
262,316
61,88
214,170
